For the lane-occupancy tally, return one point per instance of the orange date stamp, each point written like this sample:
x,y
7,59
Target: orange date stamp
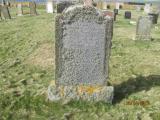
x,y
143,103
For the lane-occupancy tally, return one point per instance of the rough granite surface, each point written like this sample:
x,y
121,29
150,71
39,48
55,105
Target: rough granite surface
x,y
83,44
144,26
83,40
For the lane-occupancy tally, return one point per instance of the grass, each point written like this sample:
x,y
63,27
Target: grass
x,y
27,67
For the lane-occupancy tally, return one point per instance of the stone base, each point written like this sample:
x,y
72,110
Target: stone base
x,y
86,93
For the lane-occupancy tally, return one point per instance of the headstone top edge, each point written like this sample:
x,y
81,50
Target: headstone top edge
x,y
74,12
72,8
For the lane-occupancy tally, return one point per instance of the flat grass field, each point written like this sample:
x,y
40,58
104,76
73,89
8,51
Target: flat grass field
x,y
27,68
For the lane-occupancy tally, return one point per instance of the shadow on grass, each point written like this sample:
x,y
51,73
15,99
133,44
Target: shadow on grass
x,y
134,85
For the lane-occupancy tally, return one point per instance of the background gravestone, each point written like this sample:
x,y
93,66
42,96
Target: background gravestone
x,y
83,43
32,6
5,12
49,6
144,26
116,11
104,5
109,13
127,15
20,9
147,8
117,5
155,17
108,7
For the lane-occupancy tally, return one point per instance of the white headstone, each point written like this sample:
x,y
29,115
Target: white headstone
x,y
104,5
117,5
147,8
49,6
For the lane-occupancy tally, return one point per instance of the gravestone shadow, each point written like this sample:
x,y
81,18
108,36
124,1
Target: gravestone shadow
x,y
134,85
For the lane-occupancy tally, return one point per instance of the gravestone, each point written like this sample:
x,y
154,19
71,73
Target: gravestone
x,y
116,11
83,44
5,12
104,5
49,6
63,5
155,17
20,9
32,6
109,13
120,6
147,8
8,4
144,26
127,15
117,5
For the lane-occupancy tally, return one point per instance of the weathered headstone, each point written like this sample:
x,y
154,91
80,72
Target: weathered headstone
x,y
147,8
155,17
144,26
83,44
63,5
109,13
127,15
32,6
116,11
5,12
49,6
20,9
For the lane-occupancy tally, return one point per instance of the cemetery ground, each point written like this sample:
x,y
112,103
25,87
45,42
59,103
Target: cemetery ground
x,y
27,68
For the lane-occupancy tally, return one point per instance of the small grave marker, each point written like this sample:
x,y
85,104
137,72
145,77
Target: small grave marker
x,y
144,26
127,15
155,17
